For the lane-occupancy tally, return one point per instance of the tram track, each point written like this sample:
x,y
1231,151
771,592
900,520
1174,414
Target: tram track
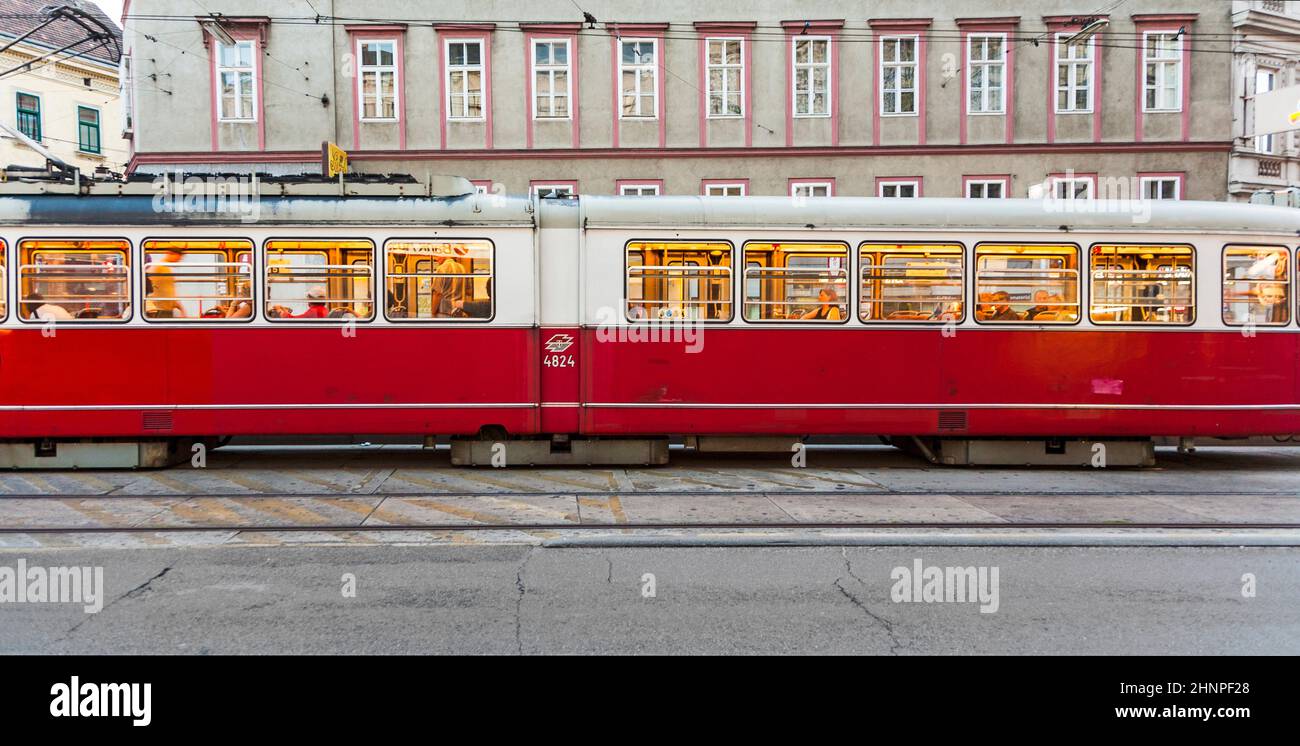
x,y
649,493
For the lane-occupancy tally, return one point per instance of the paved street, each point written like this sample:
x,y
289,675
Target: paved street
x,y
511,599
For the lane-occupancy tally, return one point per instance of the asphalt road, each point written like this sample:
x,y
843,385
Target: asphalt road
x,y
527,599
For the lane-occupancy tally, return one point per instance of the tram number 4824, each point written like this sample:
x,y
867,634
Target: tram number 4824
x,y
558,361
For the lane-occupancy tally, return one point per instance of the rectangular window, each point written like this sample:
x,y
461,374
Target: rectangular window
x,y
638,190
74,280
986,62
812,76
198,280
320,280
1026,283
1069,188
1162,52
126,92
638,69
465,80
1161,187
796,282
4,281
88,129
1137,284
911,283
812,189
986,189
551,88
1256,286
725,189
236,75
555,191
29,115
1265,81
899,189
725,77
444,280
1074,74
378,71
898,75
679,280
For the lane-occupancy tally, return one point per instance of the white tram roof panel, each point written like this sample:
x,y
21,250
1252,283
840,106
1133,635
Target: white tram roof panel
x,y
939,214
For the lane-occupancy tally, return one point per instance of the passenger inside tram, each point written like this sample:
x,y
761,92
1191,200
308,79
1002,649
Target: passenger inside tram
x,y
828,308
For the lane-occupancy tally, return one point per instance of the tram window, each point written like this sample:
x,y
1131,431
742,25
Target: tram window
x,y
1134,284
1027,283
679,280
446,280
198,280
315,280
74,280
1256,286
911,283
791,281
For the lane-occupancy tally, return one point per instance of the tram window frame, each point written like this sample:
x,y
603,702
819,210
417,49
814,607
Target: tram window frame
x,y
847,270
126,247
4,280
1092,285
864,306
491,278
267,248
730,276
1288,302
1078,281
250,249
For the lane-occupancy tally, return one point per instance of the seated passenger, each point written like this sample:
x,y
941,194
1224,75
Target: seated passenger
x,y
88,313
38,310
999,308
316,308
240,310
829,309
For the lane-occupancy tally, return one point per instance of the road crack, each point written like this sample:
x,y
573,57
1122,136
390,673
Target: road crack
x,y
887,625
136,592
519,600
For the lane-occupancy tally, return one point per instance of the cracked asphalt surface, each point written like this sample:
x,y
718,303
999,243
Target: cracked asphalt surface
x,y
510,599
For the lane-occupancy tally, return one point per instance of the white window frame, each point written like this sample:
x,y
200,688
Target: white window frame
x,y
639,67
807,186
466,69
898,67
897,184
126,92
1062,181
238,70
724,66
637,189
1176,60
1002,185
377,70
811,67
724,186
568,189
986,65
1143,181
1071,88
551,69
1264,143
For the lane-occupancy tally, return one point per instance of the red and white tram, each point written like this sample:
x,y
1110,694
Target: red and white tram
x,y
567,326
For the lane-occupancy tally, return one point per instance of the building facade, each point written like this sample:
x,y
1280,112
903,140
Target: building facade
x,y
68,102
1266,57
936,98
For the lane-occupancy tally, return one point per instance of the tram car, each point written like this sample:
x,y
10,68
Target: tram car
x,y
596,329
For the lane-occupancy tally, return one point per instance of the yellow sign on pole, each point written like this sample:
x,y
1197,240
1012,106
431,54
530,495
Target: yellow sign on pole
x,y
333,160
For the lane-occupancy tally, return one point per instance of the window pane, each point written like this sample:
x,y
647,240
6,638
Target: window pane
x,y
1032,283
1256,286
1142,284
449,280
319,280
806,282
198,280
675,281
911,283
60,280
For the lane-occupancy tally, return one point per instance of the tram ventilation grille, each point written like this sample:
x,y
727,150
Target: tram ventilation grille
x,y
952,419
157,420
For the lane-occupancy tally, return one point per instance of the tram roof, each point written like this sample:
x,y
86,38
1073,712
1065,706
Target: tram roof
x,y
660,213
